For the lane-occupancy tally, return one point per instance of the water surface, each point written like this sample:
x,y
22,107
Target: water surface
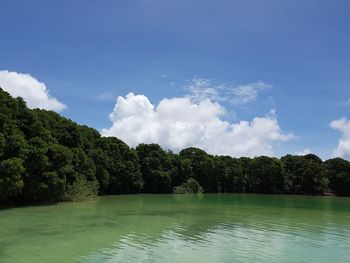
x,y
179,228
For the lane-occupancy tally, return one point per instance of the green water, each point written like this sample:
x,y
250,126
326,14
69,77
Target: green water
x,y
179,228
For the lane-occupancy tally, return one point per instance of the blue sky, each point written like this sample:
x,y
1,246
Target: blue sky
x,y
89,52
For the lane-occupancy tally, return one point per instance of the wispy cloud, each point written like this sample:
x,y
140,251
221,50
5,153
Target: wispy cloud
x,y
345,103
200,89
107,96
247,93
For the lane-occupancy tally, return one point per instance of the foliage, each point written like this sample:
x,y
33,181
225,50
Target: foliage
x,y
191,186
304,174
155,168
81,190
46,157
11,181
337,171
265,175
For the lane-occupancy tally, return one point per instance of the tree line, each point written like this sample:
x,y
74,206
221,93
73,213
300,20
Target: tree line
x,y
45,157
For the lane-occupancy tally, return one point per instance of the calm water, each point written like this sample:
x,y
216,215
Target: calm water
x,y
168,228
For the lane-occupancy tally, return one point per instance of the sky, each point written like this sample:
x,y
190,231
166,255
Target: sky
x,y
239,78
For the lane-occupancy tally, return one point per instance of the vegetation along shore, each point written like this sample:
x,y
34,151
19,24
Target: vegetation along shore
x,y
45,157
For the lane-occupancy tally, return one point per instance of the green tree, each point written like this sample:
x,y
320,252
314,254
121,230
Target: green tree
x,y
11,180
202,168
304,174
265,175
46,157
50,169
338,173
117,167
233,177
2,145
191,186
155,168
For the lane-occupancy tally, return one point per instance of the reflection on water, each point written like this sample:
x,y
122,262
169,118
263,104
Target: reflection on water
x,y
177,228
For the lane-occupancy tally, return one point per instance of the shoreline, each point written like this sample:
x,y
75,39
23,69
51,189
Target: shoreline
x,y
4,206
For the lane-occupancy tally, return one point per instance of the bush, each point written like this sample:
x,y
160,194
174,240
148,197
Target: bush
x,y
191,186
81,190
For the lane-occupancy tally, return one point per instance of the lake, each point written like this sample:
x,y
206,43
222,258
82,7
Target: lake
x,y
179,228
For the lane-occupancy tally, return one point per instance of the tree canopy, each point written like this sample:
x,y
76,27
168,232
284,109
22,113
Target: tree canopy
x,y
46,157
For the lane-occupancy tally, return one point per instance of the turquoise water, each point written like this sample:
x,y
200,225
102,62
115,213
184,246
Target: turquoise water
x,y
179,228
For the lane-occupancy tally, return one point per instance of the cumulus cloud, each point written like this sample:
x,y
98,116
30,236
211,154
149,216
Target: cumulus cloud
x,y
343,148
31,90
304,152
200,89
177,123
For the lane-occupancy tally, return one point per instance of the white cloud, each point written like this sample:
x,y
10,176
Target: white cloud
x,y
200,89
304,152
107,96
247,93
343,148
346,103
177,123
31,90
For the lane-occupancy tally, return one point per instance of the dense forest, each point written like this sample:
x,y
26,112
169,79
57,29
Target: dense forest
x,y
45,157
